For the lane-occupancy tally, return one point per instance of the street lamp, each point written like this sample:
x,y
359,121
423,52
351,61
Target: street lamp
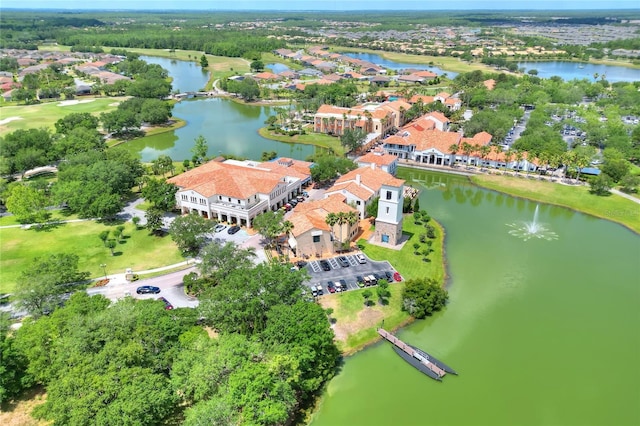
x,y
104,268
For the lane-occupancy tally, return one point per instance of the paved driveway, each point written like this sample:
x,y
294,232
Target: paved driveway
x,y
348,273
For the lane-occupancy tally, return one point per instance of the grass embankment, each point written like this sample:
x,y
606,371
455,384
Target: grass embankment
x,y
46,114
356,325
317,139
137,250
613,207
447,63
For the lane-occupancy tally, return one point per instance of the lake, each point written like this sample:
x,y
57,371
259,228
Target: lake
x,y
187,76
396,66
229,127
576,70
542,332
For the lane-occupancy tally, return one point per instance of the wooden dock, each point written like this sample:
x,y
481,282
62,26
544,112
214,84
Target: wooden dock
x,y
414,357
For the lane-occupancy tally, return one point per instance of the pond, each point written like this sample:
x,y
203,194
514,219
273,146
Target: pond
x,y
542,331
277,68
229,127
577,70
396,66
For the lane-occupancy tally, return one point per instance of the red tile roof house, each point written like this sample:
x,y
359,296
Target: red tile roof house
x,y
237,191
266,76
371,119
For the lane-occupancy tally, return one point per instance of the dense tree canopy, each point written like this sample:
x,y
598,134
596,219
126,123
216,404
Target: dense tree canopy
x,y
40,287
189,232
422,297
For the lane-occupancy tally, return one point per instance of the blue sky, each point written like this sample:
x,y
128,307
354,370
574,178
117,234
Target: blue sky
x,y
321,5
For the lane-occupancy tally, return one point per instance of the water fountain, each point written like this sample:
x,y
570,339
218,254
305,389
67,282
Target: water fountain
x,y
534,229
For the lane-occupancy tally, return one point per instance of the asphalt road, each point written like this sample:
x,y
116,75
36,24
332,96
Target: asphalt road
x,y
170,285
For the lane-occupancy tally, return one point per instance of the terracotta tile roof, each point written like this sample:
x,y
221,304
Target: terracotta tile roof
x,y
452,101
215,178
443,95
397,104
438,139
372,179
378,160
424,98
266,76
288,166
312,214
425,74
438,116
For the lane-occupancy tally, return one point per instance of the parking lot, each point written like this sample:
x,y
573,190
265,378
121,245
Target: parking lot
x,y
347,273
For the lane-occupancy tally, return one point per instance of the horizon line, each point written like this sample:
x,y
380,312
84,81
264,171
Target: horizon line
x,y
317,10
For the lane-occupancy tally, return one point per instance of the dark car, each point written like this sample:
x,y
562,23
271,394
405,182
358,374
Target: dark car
x,y
331,287
301,264
325,265
167,305
148,289
343,284
233,229
360,281
389,275
342,260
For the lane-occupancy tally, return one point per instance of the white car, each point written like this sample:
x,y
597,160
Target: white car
x,y
219,227
360,258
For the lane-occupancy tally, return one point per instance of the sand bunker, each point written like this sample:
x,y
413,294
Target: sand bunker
x,y
9,120
75,102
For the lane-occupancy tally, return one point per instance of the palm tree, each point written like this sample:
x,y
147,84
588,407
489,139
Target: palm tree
x,y
508,155
519,157
342,219
484,151
581,162
476,151
331,220
453,149
285,228
467,149
497,149
325,124
543,158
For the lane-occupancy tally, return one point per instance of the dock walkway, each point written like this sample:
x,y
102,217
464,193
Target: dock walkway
x,y
413,353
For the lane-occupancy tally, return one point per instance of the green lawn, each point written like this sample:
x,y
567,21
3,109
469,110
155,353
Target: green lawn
x,y
138,250
404,260
46,114
356,324
612,207
317,139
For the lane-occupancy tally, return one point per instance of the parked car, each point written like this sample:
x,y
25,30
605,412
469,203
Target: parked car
x,y
293,203
167,305
232,230
360,281
301,264
299,199
343,261
148,289
389,276
219,227
325,265
397,276
360,258
343,285
331,287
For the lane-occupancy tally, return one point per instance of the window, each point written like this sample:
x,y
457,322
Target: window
x,y
229,198
388,195
387,210
316,238
357,202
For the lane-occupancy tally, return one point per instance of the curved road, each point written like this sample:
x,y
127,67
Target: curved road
x,y
170,285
